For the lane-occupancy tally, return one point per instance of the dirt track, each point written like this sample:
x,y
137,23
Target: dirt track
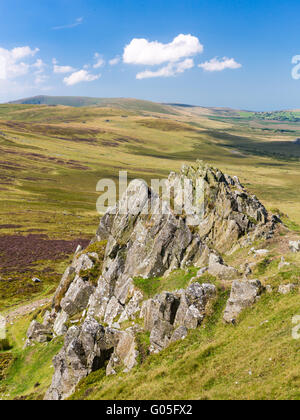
x,y
26,309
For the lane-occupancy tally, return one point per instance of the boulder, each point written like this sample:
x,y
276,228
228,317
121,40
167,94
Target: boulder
x,y
294,246
217,268
285,289
243,295
38,333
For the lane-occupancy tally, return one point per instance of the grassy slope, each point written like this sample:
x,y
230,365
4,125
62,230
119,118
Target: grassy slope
x,y
51,160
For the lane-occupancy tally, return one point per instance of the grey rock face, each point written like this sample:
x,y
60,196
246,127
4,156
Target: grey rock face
x,y
77,296
167,311
179,334
192,306
59,326
243,295
125,353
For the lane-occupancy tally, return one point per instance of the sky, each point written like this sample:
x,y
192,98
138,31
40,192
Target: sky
x,y
225,53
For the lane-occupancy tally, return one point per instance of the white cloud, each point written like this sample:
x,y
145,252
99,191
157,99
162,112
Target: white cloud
x,y
142,51
39,65
11,65
61,69
216,64
167,71
78,21
80,76
100,61
114,61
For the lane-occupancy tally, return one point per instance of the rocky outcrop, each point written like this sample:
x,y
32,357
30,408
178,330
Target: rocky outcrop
x,y
170,315
86,350
144,236
243,295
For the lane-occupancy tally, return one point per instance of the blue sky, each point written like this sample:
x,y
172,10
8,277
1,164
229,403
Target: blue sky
x,y
66,47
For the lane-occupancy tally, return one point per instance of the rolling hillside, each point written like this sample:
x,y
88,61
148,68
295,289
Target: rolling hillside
x,y
77,101
51,160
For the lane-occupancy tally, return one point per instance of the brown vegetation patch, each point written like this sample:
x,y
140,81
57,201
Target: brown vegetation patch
x,y
10,226
18,252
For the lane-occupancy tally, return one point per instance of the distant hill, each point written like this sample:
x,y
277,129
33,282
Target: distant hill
x,y
80,101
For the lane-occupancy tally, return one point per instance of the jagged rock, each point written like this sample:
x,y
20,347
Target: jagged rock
x,y
113,309
243,295
219,269
184,308
192,306
47,320
85,350
77,296
125,354
59,326
133,307
160,336
38,333
161,307
294,246
285,289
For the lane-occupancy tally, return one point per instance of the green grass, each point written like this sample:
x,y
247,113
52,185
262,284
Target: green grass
x,y
178,279
29,374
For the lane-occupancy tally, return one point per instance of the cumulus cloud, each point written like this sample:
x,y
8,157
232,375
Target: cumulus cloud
x,y
61,69
39,65
143,52
216,64
14,63
114,61
167,71
80,76
100,62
